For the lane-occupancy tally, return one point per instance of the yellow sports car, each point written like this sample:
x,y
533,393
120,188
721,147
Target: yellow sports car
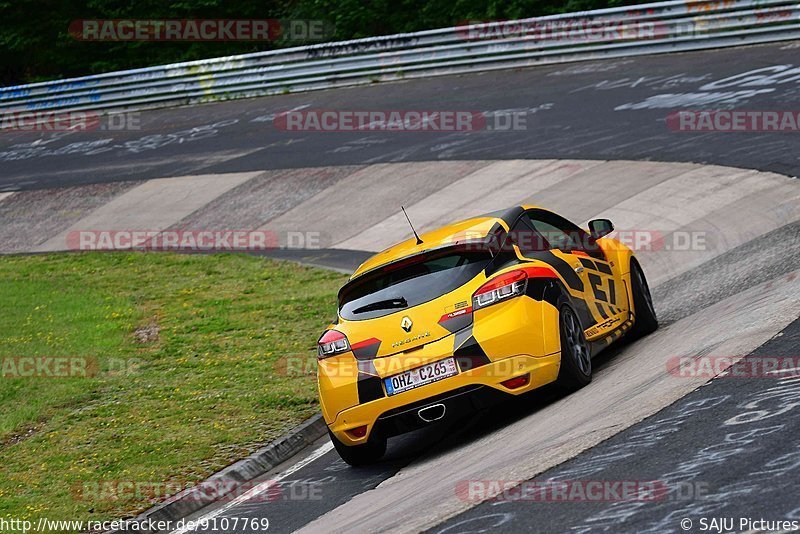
x,y
460,317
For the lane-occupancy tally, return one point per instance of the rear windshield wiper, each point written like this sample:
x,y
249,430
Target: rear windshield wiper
x,y
383,305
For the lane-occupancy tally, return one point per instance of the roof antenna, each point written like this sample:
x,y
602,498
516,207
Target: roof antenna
x,y
419,241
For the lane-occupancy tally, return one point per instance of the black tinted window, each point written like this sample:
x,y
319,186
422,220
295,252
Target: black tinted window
x,y
410,282
561,234
526,238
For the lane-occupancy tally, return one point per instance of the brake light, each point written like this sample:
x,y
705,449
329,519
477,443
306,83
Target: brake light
x,y
503,287
508,285
332,343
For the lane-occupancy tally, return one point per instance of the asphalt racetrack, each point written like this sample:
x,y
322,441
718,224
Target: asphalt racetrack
x,y
636,420
604,110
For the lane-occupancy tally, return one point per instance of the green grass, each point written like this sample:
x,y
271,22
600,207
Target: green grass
x,y
171,407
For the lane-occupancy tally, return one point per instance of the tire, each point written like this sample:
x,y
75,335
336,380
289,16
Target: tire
x,y
644,313
576,359
357,455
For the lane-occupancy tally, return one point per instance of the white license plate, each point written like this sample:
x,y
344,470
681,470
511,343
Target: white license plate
x,y
420,376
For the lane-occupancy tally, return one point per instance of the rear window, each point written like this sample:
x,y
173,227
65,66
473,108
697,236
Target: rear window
x,y
411,282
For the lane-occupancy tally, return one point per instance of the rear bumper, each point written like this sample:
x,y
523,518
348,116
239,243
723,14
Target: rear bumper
x,y
446,407
459,395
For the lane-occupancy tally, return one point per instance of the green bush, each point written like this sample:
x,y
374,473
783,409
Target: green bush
x,y
35,44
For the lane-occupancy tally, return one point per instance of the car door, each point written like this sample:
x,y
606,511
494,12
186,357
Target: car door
x,y
602,292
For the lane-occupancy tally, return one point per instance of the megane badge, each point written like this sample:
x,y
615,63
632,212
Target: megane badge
x,y
406,324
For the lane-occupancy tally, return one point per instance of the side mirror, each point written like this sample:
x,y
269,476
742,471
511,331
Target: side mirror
x,y
600,227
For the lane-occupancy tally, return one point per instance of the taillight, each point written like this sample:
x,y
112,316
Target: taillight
x,y
332,343
517,382
358,432
507,285
503,287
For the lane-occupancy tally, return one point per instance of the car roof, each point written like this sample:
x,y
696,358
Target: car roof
x,y
468,229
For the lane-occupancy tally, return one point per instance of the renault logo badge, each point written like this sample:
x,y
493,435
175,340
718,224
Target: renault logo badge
x,y
406,324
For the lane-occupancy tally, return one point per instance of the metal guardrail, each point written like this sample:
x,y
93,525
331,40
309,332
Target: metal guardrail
x,y
605,33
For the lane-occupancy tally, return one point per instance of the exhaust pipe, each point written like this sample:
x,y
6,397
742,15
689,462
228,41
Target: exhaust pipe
x,y
431,413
